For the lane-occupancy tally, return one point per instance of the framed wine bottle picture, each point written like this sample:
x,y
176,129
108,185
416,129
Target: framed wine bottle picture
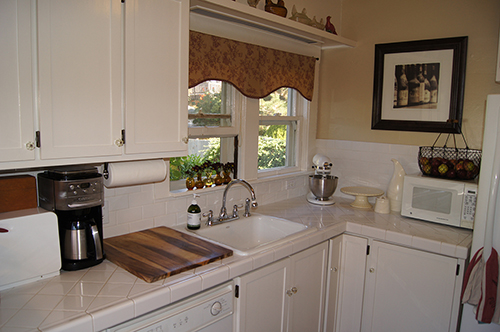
x,y
419,85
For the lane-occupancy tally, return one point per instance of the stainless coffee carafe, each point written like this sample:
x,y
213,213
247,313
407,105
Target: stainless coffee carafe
x,y
76,195
82,240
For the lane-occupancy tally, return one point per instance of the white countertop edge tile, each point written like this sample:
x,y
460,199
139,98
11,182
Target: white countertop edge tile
x,y
152,300
114,314
80,322
185,288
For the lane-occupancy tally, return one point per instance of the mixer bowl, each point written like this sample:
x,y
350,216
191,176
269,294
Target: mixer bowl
x,y
322,186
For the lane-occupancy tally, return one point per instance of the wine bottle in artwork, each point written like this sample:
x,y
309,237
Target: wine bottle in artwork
x,y
402,86
433,84
421,82
413,87
427,91
395,103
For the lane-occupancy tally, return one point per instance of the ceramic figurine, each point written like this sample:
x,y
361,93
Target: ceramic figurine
x,y
278,9
395,189
300,17
253,3
329,27
318,25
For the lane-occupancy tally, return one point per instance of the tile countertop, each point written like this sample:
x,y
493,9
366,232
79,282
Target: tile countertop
x,y
105,295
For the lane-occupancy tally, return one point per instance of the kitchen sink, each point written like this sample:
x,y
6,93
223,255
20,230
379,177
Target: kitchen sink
x,y
249,235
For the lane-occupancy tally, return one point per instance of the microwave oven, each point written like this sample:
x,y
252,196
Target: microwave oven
x,y
442,201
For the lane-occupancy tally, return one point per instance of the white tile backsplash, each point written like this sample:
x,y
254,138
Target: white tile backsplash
x,y
367,163
138,207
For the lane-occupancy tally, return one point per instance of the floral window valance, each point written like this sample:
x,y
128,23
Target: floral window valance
x,y
255,71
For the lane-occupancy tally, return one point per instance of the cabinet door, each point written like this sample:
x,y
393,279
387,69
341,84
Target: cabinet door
x,y
261,303
16,81
156,71
408,290
307,289
346,279
80,56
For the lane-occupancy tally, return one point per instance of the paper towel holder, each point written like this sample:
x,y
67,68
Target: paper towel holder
x,y
105,172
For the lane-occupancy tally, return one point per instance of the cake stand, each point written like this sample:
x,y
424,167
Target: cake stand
x,y
361,195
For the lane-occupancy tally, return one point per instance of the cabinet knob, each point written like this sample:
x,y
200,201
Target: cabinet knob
x,y
372,270
185,140
291,291
335,269
30,146
119,143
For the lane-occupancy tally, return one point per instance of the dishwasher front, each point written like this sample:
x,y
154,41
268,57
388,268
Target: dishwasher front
x,y
209,311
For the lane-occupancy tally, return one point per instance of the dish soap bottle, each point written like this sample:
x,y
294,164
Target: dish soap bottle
x,y
194,214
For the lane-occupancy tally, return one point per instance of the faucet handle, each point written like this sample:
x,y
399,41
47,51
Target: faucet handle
x,y
247,207
235,210
210,217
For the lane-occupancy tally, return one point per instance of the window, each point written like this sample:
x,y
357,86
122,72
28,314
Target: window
x,y
277,130
206,107
267,139
212,132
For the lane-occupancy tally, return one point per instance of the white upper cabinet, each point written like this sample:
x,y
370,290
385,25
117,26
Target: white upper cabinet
x,y
109,79
79,59
16,82
156,66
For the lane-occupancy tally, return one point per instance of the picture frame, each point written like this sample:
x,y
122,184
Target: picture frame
x,y
436,103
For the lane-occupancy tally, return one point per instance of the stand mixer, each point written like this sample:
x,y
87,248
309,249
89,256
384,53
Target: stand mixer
x,y
322,184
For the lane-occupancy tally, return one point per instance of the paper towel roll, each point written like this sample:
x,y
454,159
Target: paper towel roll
x,y
135,172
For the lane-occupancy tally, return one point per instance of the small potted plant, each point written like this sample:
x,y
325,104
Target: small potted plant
x,y
208,170
199,184
227,169
190,181
218,179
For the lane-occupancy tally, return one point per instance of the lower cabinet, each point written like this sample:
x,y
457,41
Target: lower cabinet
x,y
345,285
410,290
387,287
285,296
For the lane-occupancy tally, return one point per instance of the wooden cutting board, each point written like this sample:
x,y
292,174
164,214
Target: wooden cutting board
x,y
161,252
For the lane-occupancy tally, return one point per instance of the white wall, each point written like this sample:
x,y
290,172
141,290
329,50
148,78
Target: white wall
x,y
366,163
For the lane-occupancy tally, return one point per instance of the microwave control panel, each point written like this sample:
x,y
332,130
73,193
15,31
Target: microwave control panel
x,y
469,206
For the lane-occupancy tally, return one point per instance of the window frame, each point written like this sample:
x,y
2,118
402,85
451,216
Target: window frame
x,y
230,131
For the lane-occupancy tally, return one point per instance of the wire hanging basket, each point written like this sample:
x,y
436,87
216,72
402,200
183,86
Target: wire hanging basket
x,y
449,162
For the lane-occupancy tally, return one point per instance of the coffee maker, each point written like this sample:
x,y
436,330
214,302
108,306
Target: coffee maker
x,y
76,196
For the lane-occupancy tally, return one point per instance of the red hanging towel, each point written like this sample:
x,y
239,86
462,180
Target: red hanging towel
x,y
487,303
471,289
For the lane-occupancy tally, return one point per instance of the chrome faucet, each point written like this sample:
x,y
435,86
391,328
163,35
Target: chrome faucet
x,y
223,211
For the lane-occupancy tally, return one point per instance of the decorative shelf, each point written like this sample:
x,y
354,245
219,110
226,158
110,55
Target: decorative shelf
x,y
235,12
